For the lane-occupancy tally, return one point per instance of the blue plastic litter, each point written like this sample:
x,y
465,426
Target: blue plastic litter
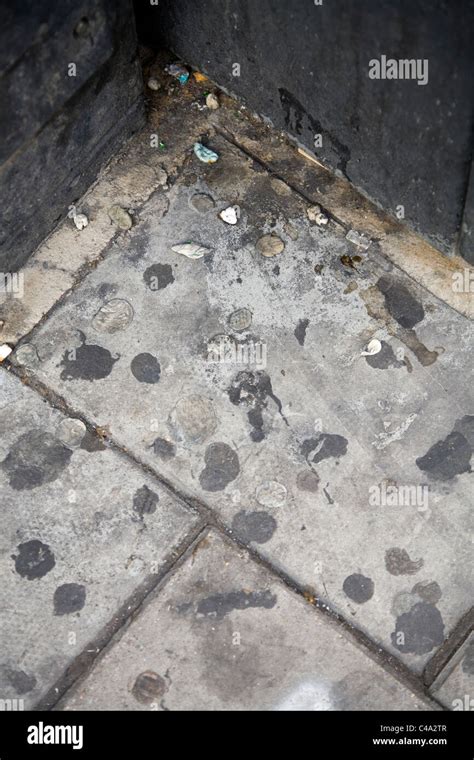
x,y
206,155
178,72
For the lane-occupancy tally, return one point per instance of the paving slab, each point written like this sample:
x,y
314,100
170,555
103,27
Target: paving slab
x,y
83,533
454,687
224,634
240,377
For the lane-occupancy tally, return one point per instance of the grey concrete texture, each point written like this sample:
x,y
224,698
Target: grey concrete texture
x,y
349,473
224,634
305,66
84,534
454,687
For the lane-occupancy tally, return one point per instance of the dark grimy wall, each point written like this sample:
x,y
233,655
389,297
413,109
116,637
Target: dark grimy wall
x,y
306,67
56,130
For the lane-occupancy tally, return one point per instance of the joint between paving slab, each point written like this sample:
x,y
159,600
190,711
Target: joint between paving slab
x,y
127,612
209,519
226,135
449,648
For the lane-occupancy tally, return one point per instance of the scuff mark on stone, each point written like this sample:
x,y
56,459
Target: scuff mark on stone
x,y
358,588
69,598
398,562
254,526
22,682
385,359
220,605
307,481
146,369
34,560
253,389
222,467
385,439
418,631
158,276
300,331
145,502
34,459
88,362
428,591
164,449
400,303
447,458
148,687
324,446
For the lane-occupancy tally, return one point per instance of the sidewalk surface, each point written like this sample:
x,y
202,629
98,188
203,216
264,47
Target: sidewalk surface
x,y
214,496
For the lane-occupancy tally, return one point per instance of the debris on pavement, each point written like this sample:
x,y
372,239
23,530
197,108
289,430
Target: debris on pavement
x,y
26,355
313,213
270,245
350,261
230,215
200,78
5,350
153,84
80,220
271,494
206,155
372,348
212,102
321,220
311,158
113,316
360,240
191,250
71,432
240,320
178,72
120,217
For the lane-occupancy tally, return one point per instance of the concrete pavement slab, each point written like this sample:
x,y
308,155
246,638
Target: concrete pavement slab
x,y
84,534
241,378
223,634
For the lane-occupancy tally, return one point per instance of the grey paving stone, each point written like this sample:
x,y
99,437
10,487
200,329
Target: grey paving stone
x,y
223,634
351,473
454,687
82,530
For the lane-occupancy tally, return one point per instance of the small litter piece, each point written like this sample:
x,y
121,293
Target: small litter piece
x,y
313,212
230,215
153,84
178,72
240,320
350,261
113,316
361,241
206,155
122,218
71,432
270,245
80,220
321,220
212,102
5,350
271,494
373,348
200,77
191,250
311,158
26,355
